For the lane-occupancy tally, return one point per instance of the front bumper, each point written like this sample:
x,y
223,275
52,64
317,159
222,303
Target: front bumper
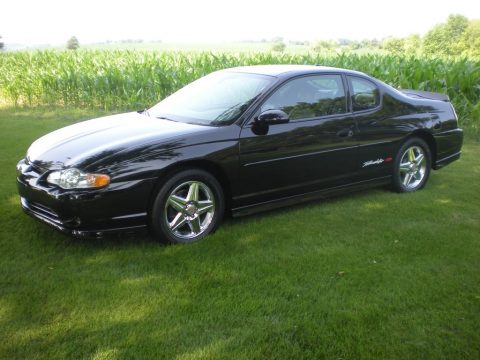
x,y
121,206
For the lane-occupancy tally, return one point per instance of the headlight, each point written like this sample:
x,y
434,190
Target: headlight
x,y
76,179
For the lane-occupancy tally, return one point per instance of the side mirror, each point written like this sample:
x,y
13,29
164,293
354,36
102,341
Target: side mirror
x,y
272,117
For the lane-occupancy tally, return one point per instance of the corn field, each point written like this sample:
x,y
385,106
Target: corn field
x,y
125,79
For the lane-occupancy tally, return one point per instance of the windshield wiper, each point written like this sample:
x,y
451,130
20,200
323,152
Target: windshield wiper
x,y
232,112
144,112
229,113
165,118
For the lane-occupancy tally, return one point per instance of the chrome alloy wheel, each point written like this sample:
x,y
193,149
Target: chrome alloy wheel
x,y
413,166
189,209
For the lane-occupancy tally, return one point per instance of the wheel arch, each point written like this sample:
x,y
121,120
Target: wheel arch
x,y
430,140
209,166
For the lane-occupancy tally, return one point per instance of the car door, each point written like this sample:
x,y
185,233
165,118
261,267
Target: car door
x,y
316,148
376,135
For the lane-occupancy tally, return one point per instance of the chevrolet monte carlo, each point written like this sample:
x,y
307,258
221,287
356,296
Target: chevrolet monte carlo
x,y
236,141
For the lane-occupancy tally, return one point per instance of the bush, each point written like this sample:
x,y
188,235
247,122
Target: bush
x,y
279,46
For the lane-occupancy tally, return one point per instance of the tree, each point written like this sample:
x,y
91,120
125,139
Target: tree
x,y
323,45
435,40
73,43
470,41
2,45
413,44
354,45
279,46
444,39
394,45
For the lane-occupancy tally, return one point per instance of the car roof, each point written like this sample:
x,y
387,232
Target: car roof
x,y
278,70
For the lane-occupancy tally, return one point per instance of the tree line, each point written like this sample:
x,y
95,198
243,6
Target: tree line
x,y
457,36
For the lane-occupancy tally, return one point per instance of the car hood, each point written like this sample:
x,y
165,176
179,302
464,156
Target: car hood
x,y
92,140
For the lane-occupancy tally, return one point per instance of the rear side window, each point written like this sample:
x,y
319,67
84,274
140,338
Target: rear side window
x,y
365,94
309,97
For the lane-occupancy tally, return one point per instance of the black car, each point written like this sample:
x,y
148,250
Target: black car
x,y
239,140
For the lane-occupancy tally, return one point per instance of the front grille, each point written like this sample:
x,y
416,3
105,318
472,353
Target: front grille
x,y
33,174
38,169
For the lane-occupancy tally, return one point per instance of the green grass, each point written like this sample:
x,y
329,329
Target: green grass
x,y
374,274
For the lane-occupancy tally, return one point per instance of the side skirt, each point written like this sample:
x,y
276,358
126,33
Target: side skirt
x,y
314,195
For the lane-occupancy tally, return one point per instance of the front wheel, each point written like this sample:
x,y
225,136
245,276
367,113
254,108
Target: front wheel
x,y
188,207
412,166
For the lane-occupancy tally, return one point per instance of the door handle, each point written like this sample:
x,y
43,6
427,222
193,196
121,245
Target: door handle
x,y
345,133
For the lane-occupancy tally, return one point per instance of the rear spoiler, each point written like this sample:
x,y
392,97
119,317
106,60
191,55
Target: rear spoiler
x,y
426,95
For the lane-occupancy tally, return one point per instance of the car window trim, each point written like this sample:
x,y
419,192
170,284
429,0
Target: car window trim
x,y
251,118
350,87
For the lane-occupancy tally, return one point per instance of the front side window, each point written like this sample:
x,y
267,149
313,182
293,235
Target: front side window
x,y
365,94
309,97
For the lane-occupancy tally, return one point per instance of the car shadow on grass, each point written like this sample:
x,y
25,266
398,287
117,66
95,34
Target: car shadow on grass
x,y
135,238
251,222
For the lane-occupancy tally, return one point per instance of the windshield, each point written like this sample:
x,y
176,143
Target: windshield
x,y
216,99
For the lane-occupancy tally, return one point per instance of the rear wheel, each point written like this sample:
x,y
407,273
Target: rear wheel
x,y
412,166
188,207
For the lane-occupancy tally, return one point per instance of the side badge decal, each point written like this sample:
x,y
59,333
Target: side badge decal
x,y
377,162
373,162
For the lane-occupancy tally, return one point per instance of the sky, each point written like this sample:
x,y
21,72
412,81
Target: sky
x,y
34,22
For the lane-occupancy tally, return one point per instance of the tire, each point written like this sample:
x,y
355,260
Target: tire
x,y
188,207
412,166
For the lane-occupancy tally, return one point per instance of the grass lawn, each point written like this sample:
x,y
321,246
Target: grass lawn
x,y
374,274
